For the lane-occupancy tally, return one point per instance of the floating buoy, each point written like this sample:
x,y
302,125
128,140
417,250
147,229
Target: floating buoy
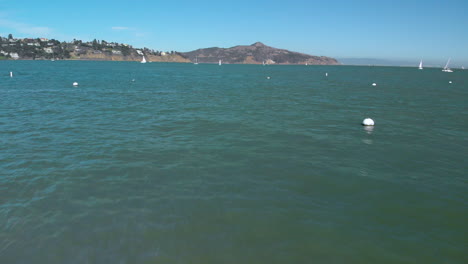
x,y
368,122
326,74
450,81
75,84
374,84
268,77
11,74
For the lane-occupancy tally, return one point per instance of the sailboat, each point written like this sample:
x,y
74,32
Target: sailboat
x,y
446,68
219,62
143,60
196,60
420,65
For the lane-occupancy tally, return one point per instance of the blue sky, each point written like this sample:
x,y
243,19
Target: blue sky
x,y
399,30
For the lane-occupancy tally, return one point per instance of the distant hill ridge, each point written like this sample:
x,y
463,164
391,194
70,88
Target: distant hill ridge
x,y
45,49
256,53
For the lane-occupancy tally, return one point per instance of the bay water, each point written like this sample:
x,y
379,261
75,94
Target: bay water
x,y
183,163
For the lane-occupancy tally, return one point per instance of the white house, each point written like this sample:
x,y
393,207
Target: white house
x,y
48,50
14,55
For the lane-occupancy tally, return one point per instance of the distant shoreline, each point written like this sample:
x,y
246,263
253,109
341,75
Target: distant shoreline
x,y
101,50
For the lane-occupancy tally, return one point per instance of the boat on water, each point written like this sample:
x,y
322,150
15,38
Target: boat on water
x,y
196,60
446,68
420,65
219,62
143,60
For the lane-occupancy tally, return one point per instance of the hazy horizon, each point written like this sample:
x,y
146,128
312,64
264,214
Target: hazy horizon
x,y
389,30
399,62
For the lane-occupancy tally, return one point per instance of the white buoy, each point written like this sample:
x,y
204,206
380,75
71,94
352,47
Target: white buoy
x,y
374,84
326,74
450,81
368,122
268,77
75,84
11,74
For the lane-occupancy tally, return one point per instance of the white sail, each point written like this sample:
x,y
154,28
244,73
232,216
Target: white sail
x,y
219,62
446,68
196,60
420,65
446,65
143,60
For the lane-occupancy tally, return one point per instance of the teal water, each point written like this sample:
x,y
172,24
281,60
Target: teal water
x,y
182,163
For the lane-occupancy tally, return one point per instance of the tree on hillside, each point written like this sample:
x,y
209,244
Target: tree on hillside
x,y
10,36
66,54
125,50
55,42
96,45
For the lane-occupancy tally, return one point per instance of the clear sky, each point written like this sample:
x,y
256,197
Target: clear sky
x,y
387,29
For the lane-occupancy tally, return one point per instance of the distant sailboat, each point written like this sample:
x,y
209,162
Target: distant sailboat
x,y
263,63
196,60
446,68
219,62
143,60
420,65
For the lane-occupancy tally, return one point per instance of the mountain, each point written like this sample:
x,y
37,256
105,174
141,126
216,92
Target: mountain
x,y
45,49
256,53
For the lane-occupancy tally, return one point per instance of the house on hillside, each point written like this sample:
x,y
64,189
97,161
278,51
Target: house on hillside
x,y
14,55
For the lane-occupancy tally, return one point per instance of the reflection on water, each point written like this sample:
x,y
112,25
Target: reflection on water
x,y
364,172
369,129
